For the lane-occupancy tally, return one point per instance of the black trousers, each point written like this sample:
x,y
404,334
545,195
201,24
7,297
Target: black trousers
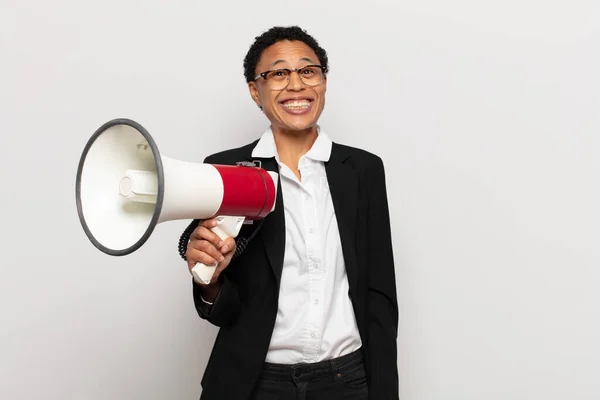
x,y
340,378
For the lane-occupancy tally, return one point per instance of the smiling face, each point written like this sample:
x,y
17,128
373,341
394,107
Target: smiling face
x,y
297,107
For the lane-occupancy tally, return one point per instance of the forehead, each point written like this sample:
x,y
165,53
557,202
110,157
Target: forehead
x,y
287,54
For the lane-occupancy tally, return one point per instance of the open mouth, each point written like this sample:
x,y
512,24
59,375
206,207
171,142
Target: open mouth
x,y
296,105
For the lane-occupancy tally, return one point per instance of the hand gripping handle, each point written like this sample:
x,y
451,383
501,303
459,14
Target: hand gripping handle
x,y
226,227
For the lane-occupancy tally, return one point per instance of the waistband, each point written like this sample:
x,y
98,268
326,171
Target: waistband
x,y
305,371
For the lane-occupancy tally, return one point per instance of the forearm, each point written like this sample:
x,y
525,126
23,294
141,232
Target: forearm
x,y
225,305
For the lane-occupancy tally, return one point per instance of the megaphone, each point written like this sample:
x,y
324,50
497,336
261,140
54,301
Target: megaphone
x,y
125,187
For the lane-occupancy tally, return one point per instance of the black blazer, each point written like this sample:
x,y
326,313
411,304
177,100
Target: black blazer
x,y
246,307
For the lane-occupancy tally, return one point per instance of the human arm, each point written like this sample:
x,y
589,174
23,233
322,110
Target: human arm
x,y
217,302
382,304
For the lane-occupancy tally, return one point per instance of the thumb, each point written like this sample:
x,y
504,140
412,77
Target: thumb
x,y
230,244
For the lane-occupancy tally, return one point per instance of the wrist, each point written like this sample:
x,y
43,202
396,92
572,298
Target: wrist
x,y
209,292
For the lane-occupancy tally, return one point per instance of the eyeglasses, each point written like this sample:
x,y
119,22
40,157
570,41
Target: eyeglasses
x,y
278,79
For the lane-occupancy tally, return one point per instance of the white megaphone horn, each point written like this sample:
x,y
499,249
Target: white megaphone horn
x,y
125,188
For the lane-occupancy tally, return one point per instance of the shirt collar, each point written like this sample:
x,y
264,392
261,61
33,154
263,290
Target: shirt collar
x,y
320,150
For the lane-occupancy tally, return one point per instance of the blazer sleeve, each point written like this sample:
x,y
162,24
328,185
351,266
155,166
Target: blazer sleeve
x,y
225,307
382,311
227,304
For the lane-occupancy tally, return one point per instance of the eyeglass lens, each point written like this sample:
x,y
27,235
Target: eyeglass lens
x,y
311,76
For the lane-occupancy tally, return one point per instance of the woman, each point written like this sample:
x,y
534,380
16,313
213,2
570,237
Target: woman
x,y
308,310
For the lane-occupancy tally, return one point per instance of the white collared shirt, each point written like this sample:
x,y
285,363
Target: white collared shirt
x,y
315,319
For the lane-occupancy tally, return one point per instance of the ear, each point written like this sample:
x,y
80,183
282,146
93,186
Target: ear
x,y
254,93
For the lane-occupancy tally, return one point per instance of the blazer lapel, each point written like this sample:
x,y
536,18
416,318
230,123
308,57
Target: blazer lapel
x,y
343,186
272,231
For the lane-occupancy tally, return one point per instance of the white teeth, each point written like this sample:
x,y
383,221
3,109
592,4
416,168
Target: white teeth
x,y
296,104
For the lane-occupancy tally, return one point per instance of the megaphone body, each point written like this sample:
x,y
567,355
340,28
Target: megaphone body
x,y
125,187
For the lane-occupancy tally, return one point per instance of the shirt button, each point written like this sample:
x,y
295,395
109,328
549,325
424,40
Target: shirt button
x,y
312,230
312,335
316,301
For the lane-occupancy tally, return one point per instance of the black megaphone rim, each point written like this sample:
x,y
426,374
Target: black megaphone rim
x,y
159,198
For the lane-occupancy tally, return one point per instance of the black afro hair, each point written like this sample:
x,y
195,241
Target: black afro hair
x,y
274,35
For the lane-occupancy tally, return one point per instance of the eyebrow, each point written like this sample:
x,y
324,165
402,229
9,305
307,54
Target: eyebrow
x,y
282,61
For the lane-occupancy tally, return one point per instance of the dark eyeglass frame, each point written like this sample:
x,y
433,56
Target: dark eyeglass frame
x,y
290,70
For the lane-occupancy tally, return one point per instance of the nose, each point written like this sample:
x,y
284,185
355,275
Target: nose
x,y
295,82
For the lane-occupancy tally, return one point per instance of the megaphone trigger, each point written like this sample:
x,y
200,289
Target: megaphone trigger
x,y
226,227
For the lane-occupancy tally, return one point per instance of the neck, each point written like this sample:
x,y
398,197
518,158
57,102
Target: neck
x,y
291,145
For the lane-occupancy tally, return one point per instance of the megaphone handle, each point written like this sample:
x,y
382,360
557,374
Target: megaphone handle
x,y
226,227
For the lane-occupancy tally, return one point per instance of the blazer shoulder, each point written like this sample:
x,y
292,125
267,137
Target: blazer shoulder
x,y
358,156
231,156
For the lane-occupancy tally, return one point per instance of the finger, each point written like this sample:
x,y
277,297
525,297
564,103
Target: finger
x,y
206,247
228,246
197,256
208,223
203,233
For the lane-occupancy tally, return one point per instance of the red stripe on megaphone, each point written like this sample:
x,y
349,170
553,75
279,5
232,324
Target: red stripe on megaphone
x,y
247,191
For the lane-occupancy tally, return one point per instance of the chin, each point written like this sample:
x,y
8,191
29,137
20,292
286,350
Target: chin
x,y
299,123
299,127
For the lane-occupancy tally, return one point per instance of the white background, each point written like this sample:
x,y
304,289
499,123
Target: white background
x,y
486,114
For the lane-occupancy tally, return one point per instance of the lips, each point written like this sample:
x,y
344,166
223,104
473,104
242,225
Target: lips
x,y
297,105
